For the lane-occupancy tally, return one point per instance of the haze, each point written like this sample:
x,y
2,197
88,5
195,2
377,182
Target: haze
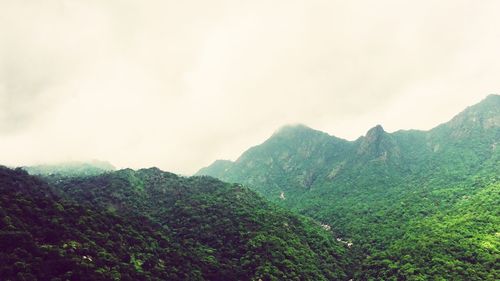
x,y
178,84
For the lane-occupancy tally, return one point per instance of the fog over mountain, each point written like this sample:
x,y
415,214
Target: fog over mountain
x,y
178,84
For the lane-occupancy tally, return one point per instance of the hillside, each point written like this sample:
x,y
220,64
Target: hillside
x,y
372,189
293,158
44,237
462,243
153,225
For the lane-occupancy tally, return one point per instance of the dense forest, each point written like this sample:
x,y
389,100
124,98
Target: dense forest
x,y
461,243
417,205
154,225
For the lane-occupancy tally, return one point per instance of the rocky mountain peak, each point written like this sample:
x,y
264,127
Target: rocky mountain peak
x,y
377,143
374,133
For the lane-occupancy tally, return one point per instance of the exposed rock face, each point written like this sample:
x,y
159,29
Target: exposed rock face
x,y
374,133
378,145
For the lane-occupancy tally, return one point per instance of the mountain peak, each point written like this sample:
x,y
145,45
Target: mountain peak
x,y
378,143
490,104
492,97
374,133
293,128
491,100
297,132
483,115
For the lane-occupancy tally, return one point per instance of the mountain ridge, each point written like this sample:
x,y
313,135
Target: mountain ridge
x,y
148,224
489,105
370,189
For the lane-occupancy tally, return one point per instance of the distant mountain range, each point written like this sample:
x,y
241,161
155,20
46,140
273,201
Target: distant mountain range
x,y
377,189
75,168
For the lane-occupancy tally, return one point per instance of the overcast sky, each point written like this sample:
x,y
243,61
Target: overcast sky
x,y
178,84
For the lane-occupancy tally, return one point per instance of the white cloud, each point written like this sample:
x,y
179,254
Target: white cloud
x,y
179,84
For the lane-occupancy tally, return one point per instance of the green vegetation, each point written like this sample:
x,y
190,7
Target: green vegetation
x,y
409,205
462,243
44,237
153,225
241,235
380,189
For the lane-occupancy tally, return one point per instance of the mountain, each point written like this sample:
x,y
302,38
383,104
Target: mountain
x,y
408,205
374,189
70,169
154,225
291,159
46,237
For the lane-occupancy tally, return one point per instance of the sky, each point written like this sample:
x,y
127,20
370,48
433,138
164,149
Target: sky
x,y
179,84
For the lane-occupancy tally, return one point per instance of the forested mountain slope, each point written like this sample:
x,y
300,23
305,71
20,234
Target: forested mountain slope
x,y
462,243
243,235
372,189
44,237
293,158
153,225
